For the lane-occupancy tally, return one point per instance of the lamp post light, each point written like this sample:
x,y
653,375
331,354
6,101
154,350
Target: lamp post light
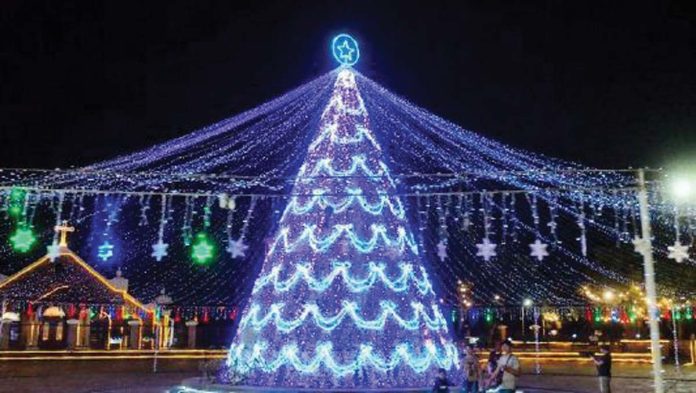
x,y
608,296
682,189
525,303
464,303
462,294
644,246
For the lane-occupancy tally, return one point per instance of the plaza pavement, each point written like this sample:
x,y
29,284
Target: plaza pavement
x,y
137,377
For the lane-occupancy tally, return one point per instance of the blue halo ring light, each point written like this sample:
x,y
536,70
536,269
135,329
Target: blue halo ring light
x,y
345,49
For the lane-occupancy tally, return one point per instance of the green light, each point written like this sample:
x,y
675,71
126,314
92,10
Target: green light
x,y
206,217
15,211
203,250
17,194
23,239
16,202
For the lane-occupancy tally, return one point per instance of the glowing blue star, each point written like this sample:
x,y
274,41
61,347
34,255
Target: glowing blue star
x,y
53,251
346,52
345,49
236,248
159,250
106,251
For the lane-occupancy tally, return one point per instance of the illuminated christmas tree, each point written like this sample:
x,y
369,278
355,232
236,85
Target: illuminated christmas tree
x,y
343,299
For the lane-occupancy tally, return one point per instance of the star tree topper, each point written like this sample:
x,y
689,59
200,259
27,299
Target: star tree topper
x,y
345,49
486,249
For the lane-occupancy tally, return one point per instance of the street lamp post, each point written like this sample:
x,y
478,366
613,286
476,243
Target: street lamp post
x,y
523,335
649,271
525,303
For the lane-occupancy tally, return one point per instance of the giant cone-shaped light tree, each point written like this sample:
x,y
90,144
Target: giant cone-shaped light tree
x,y
343,299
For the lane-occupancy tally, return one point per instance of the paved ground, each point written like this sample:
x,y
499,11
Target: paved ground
x,y
627,378
131,376
134,377
103,383
588,384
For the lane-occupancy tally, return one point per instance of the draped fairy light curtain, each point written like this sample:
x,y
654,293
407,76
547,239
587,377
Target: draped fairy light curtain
x,y
477,206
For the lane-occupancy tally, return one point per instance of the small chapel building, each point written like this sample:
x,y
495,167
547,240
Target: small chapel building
x,y
61,302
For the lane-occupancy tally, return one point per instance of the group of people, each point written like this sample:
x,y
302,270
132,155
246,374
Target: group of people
x,y
503,368
499,375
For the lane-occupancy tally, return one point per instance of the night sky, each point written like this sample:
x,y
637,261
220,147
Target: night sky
x,y
608,85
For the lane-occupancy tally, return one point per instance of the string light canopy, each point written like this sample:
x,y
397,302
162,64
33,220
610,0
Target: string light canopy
x,y
236,179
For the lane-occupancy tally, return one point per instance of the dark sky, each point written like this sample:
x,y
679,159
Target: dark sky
x,y
608,84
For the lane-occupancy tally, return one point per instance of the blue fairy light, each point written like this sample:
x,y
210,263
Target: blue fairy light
x,y
105,251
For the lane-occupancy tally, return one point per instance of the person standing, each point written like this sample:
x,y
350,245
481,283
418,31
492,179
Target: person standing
x,y
603,363
472,370
487,381
442,384
509,368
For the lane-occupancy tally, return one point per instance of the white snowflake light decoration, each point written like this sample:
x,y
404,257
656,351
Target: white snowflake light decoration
x,y
486,249
678,252
641,246
237,248
53,251
159,250
538,250
442,250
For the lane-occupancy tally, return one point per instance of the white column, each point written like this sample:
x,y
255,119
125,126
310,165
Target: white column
x,y
651,292
5,333
84,333
191,325
30,332
166,328
134,337
71,336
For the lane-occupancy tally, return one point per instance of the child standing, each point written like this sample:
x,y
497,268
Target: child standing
x,y
603,363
